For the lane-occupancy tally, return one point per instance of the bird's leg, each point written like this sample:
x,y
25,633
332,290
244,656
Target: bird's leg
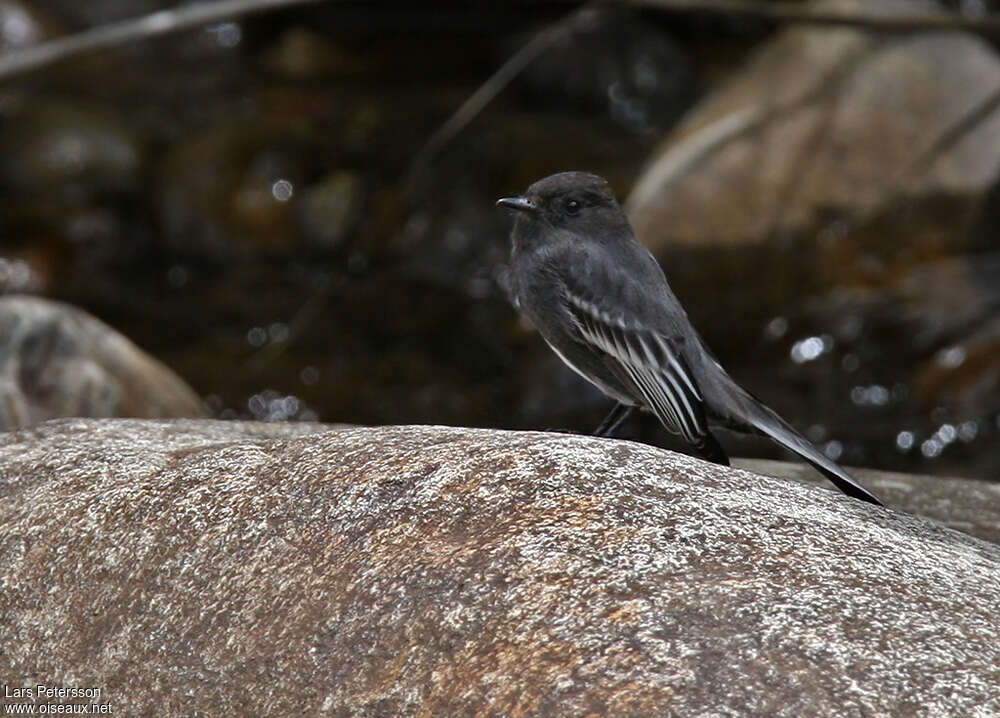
x,y
711,450
618,414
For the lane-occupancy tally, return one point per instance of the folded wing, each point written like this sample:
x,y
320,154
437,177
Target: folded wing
x,y
649,361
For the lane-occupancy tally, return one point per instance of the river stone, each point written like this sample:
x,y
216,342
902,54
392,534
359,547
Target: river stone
x,y
56,361
206,568
833,158
821,123
60,147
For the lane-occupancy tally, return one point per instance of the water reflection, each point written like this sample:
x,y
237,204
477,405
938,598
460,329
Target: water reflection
x,y
811,348
270,405
226,34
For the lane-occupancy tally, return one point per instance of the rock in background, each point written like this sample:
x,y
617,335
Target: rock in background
x,y
56,360
824,209
822,133
187,567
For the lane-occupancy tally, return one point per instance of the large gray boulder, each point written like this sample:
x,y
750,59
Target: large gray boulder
x,y
834,158
58,361
819,129
206,568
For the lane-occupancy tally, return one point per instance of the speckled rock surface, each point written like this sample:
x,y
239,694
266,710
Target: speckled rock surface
x,y
191,568
57,361
968,505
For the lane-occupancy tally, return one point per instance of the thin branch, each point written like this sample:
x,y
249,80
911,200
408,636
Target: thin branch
x,y
797,12
127,31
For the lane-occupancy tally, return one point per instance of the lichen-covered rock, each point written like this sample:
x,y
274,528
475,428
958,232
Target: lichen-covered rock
x,y
200,567
56,361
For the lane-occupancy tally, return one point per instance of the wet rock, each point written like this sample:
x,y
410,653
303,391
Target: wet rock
x,y
301,53
22,25
70,186
24,272
230,190
829,159
329,209
403,571
56,361
67,147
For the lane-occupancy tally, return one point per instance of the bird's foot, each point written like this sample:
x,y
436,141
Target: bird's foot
x,y
615,418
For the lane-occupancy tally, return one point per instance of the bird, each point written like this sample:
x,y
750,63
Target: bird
x,y
602,303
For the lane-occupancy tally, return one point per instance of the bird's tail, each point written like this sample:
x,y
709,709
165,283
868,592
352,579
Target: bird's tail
x,y
752,411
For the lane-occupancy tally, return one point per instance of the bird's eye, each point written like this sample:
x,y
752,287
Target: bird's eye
x,y
573,206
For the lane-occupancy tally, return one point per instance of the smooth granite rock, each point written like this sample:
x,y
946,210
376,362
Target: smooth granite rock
x,y
204,568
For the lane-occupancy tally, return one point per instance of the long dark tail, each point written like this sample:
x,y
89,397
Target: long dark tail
x,y
753,412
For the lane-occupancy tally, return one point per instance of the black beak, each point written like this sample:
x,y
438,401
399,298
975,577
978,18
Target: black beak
x,y
521,204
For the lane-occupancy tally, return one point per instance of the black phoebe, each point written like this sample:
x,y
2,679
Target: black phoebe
x,y
601,301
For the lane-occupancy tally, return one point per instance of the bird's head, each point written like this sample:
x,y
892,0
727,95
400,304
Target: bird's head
x,y
577,202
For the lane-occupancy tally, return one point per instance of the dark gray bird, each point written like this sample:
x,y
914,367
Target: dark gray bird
x,y
601,301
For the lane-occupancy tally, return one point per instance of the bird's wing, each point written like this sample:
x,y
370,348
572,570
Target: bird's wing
x,y
650,360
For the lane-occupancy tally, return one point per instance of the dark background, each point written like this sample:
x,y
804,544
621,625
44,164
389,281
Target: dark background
x,y
254,204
